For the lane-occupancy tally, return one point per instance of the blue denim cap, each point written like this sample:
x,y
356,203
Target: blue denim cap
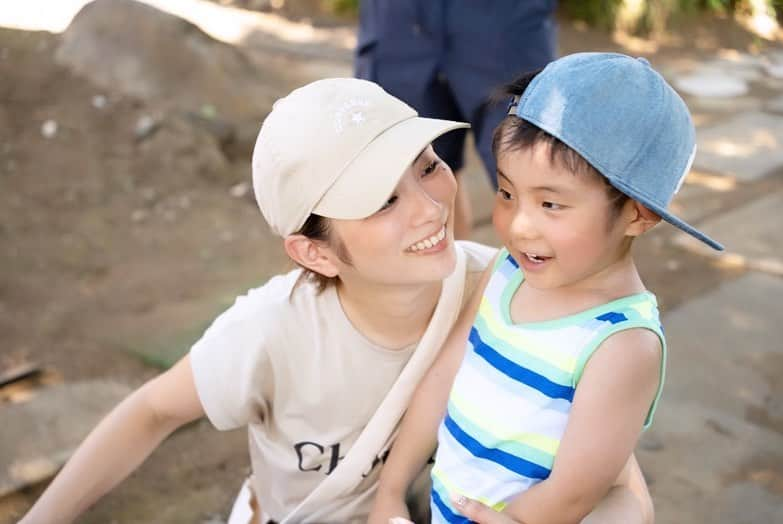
x,y
624,119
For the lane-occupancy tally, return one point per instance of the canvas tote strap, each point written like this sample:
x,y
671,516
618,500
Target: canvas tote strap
x,y
384,421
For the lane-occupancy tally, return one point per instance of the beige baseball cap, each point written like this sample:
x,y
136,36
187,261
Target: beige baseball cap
x,y
336,147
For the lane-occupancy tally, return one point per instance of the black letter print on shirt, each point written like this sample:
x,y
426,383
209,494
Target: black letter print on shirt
x,y
298,447
378,458
334,458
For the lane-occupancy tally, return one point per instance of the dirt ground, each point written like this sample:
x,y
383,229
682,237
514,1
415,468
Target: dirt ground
x,y
113,241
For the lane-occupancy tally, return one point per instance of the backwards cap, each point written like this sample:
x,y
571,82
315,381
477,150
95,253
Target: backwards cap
x,y
623,118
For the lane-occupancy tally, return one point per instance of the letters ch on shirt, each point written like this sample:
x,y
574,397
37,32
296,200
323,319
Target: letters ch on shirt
x,y
313,456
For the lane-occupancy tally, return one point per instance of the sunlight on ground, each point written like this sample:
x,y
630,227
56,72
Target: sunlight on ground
x,y
757,142
39,15
762,20
720,183
228,24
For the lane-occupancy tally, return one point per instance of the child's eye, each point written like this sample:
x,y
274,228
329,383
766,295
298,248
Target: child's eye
x,y
551,205
431,167
505,195
389,203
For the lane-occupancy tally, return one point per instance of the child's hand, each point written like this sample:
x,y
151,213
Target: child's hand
x,y
478,512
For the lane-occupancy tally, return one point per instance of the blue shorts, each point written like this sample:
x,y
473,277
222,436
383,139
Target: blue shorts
x,y
446,59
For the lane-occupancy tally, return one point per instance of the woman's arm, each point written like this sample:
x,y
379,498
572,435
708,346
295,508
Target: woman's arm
x,y
628,502
118,444
417,438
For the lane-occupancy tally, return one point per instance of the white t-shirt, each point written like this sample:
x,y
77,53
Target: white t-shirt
x,y
294,370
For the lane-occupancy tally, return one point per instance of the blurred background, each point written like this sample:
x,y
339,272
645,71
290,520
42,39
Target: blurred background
x,y
127,222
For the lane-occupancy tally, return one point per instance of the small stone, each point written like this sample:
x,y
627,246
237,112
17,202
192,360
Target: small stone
x,y
49,129
184,202
774,70
710,84
672,265
99,101
139,215
208,111
239,190
227,236
145,127
148,194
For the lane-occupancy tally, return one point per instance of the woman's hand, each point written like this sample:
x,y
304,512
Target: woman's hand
x,y
478,512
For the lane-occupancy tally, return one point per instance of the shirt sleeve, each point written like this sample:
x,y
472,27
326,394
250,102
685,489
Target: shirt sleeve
x,y
231,361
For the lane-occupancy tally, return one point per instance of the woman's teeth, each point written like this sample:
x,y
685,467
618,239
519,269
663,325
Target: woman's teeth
x,y
429,242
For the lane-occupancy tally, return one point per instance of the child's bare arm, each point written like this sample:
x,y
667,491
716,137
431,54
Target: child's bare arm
x,y
417,438
610,405
119,443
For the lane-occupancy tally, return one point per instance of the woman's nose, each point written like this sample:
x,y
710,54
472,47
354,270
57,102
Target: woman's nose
x,y
428,207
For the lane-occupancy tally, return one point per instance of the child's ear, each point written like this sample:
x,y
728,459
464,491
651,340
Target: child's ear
x,y
313,254
642,219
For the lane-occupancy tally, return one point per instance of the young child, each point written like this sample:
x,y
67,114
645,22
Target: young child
x,y
565,354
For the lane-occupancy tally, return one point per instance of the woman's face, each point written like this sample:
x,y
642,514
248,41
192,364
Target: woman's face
x,y
409,240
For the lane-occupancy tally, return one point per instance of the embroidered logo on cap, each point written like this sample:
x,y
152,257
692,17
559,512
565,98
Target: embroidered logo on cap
x,y
351,113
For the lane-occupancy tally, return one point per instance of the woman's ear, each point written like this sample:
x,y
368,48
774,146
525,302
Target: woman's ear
x,y
641,219
313,254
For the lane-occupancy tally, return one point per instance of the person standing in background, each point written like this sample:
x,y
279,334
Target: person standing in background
x,y
445,58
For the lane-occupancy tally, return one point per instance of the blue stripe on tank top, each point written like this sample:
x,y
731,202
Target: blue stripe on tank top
x,y
517,372
612,317
445,512
511,259
516,464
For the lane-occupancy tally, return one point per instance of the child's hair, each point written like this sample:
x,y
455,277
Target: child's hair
x,y
514,133
317,227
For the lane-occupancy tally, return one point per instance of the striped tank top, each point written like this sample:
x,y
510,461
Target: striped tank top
x,y
510,401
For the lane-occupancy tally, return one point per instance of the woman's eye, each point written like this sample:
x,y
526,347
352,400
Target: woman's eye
x,y
505,195
389,203
431,167
551,205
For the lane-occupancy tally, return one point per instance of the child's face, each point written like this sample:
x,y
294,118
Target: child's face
x,y
558,225
391,246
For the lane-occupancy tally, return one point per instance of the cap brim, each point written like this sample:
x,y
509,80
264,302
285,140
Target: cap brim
x,y
673,220
368,181
681,224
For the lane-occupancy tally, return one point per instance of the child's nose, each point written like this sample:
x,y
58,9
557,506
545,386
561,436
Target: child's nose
x,y
522,226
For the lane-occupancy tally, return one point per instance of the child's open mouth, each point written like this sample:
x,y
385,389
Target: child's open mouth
x,y
535,259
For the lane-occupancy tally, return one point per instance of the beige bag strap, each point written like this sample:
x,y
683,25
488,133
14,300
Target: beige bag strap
x,y
383,424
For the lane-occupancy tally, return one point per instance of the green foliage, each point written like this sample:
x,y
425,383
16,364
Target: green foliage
x,y
597,13
654,13
341,7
